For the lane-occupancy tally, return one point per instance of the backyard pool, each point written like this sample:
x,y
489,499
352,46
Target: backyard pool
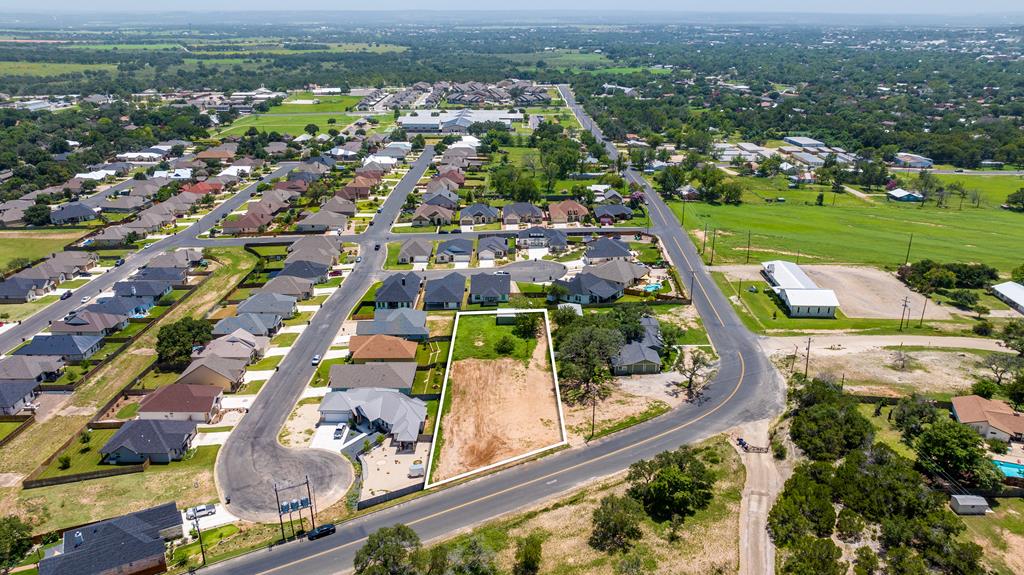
x,y
652,287
1010,469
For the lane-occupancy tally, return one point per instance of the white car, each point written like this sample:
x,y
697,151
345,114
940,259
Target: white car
x,y
86,298
200,511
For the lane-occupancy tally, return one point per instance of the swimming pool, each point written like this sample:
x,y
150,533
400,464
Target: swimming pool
x,y
1010,469
652,287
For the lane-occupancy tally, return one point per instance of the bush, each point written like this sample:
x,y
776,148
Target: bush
x,y
64,462
778,449
849,525
985,388
998,446
982,328
616,523
505,346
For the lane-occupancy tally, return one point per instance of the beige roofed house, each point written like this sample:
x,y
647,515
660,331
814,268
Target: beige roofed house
x,y
211,370
567,211
991,418
366,348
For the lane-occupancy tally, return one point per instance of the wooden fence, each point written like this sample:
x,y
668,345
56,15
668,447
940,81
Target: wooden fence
x,y
26,420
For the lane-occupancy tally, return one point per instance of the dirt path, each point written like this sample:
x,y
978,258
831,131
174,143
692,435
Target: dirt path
x,y
500,409
764,482
846,344
859,194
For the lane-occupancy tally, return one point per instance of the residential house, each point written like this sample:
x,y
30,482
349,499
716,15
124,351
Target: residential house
x,y
285,285
390,375
489,289
538,237
319,243
322,221
318,256
125,204
398,291
402,322
114,236
20,377
454,250
186,258
203,188
567,211
445,292
901,195
415,251
175,276
388,348
262,324
315,272
222,372
587,288
359,188
428,215
387,411
619,271
154,290
642,355
269,303
68,347
491,248
478,214
991,418
73,213
607,215
19,289
253,221
90,323
154,440
607,249
443,198
441,184
131,307
132,544
521,213
238,344
182,402
339,205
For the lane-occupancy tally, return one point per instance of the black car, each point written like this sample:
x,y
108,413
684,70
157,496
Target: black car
x,y
119,262
65,295
321,531
376,247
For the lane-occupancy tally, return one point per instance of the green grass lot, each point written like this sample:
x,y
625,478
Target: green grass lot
x,y
392,261
477,334
564,59
292,123
993,189
128,411
300,318
7,427
252,388
884,431
339,104
75,283
20,311
761,314
1000,532
22,68
156,378
284,339
852,231
270,251
322,377
211,539
84,458
647,253
413,229
267,363
35,243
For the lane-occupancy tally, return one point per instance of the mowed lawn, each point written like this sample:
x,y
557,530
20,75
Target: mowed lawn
x,y
340,104
851,230
34,243
477,334
293,124
20,68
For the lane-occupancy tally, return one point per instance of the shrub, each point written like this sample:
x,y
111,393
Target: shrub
x,y
985,388
505,346
849,525
64,462
982,328
998,446
778,449
616,523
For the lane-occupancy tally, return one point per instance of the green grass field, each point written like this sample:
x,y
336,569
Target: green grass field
x,y
7,427
35,243
993,189
20,68
392,260
338,104
477,334
292,123
851,230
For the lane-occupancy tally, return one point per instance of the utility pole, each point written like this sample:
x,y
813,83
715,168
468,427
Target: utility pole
x,y
748,246
714,236
909,243
280,517
923,307
309,493
906,308
807,360
693,276
199,534
704,241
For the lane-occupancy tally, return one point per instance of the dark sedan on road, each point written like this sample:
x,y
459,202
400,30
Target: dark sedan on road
x,y
321,531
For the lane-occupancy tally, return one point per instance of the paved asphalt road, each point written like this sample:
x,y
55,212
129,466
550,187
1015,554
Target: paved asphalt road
x,y
185,238
746,388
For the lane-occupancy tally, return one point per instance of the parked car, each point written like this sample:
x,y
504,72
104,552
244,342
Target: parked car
x,y
339,431
119,262
457,231
321,531
200,511
65,295
359,259
86,298
376,247
316,360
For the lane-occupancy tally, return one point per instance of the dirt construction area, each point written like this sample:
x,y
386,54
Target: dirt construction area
x,y
500,409
863,292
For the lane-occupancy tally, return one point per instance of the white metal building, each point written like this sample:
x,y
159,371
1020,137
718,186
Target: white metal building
x,y
1012,293
801,295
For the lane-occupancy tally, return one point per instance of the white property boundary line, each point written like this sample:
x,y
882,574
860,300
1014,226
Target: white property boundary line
x,y
444,390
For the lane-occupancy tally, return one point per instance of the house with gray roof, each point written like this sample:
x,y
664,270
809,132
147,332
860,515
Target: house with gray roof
x,y
322,221
225,373
387,411
269,303
73,213
398,291
65,346
238,344
642,355
262,324
454,250
492,248
15,395
318,243
521,213
286,285
608,214
443,198
127,306
183,259
159,441
317,256
587,288
403,322
478,214
619,271
445,292
415,251
20,377
315,272
20,289
537,237
388,374
152,289
90,323
489,289
132,543
339,206
607,249
125,204
175,276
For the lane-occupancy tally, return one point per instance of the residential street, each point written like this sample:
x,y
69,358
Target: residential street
x,y
745,389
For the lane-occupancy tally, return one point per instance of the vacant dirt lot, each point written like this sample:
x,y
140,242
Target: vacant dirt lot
x,y
499,409
863,292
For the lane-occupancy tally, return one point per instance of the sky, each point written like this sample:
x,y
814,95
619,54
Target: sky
x,y
932,7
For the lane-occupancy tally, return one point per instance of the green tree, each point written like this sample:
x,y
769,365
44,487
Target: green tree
x,y
958,451
639,560
1015,390
15,541
849,524
584,355
1016,199
526,325
388,551
805,506
529,551
311,129
1017,274
814,556
984,388
827,431
473,559
904,561
865,561
1012,336
616,523
673,484
505,346
174,342
37,215
911,414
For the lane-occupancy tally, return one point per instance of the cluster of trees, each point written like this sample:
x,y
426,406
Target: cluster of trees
x,y
928,276
713,186
873,485
174,342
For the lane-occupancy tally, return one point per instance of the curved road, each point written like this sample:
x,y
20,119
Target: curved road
x,y
746,388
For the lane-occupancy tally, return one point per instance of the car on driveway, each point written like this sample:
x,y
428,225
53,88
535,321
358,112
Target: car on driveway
x,y
339,431
200,511
321,531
